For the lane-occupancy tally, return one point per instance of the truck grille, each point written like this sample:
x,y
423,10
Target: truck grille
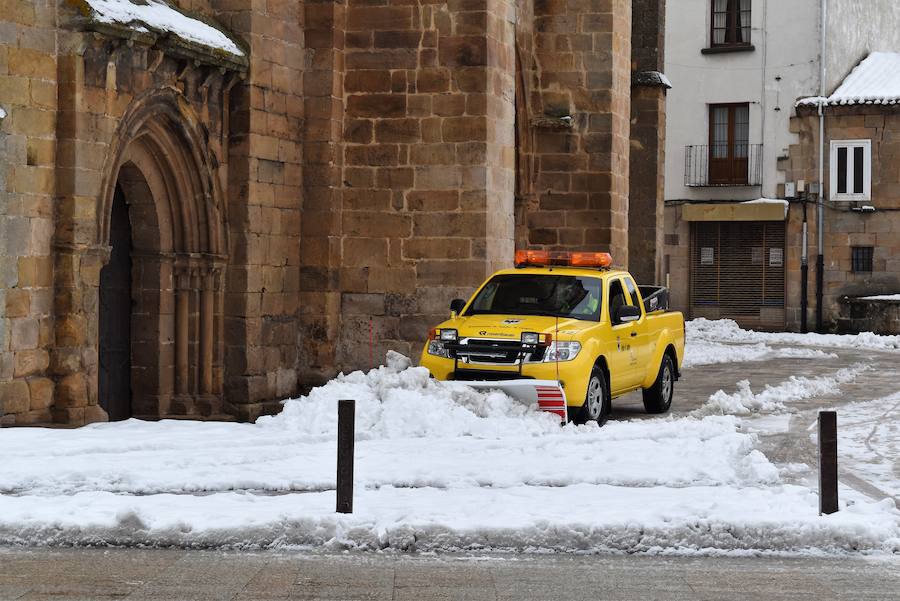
x,y
496,352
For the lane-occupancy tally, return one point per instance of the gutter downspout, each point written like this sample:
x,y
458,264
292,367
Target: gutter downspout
x,y
820,208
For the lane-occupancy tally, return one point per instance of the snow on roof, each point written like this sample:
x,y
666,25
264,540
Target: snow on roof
x,y
876,80
159,16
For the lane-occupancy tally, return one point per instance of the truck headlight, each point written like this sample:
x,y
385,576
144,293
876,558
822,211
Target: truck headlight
x,y
562,351
530,338
448,335
436,348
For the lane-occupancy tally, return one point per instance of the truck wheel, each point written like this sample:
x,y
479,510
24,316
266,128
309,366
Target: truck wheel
x,y
596,402
658,398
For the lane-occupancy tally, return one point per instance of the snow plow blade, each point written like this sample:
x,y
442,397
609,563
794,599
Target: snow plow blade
x,y
545,395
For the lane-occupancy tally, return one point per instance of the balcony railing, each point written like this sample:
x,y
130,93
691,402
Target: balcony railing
x,y
722,165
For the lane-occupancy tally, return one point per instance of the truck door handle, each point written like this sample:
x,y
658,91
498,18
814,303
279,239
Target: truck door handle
x,y
633,334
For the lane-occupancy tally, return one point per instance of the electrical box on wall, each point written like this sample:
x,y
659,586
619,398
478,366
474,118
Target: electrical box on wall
x,y
790,190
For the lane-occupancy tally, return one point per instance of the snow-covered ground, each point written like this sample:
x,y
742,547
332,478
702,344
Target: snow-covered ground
x,y
869,440
441,466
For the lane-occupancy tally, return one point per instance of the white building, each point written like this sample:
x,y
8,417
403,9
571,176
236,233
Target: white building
x,y
737,68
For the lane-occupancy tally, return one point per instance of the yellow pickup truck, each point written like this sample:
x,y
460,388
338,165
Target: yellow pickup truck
x,y
564,331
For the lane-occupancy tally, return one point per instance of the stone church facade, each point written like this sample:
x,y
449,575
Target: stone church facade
x,y
203,226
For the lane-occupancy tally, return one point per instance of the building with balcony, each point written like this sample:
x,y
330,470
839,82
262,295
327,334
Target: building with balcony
x,y
732,246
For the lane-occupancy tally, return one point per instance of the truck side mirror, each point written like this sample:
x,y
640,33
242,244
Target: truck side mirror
x,y
628,313
457,305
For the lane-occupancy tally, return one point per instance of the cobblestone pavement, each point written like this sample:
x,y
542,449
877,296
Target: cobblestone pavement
x,y
134,574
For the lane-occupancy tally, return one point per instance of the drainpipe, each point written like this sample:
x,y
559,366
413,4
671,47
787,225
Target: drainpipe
x,y
820,208
804,270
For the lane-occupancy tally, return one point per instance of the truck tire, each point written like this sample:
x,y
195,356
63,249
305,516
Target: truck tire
x,y
596,402
658,398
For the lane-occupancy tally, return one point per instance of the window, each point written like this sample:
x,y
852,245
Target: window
x,y
851,170
551,295
617,300
862,259
730,23
632,290
729,133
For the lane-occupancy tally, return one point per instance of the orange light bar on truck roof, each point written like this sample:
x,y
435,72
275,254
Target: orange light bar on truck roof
x,y
572,259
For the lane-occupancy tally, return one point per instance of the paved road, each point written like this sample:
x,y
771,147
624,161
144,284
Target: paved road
x,y
89,575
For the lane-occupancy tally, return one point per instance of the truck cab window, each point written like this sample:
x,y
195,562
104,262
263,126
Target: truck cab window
x,y
617,299
632,290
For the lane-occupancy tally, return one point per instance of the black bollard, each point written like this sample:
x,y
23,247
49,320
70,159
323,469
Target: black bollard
x,y
828,462
345,442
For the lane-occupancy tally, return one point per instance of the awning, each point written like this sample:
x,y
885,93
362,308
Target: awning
x,y
775,210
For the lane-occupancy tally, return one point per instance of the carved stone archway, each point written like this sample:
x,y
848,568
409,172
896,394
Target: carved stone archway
x,y
166,175
160,163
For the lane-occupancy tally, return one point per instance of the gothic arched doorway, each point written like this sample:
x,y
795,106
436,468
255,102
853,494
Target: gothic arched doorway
x,y
162,223
114,369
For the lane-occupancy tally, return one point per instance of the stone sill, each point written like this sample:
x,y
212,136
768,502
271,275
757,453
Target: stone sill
x,y
728,49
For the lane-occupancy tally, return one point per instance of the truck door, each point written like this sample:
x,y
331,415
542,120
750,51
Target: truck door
x,y
645,341
622,358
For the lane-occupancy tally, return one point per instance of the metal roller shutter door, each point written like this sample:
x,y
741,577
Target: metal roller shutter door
x,y
737,272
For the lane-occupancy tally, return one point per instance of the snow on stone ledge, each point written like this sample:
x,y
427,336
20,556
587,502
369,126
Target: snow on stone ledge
x,y
2,114
773,201
876,80
158,16
881,297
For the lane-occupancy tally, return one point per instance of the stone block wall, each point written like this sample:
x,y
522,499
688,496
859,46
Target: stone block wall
x,y
28,96
299,217
427,166
410,168
581,102
187,133
264,191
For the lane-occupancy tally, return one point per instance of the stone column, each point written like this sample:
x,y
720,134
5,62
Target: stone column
x,y
207,315
182,331
648,142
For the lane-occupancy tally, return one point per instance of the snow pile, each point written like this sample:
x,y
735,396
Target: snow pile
x,y
159,16
707,352
416,432
581,518
398,401
772,400
2,113
438,467
876,80
700,331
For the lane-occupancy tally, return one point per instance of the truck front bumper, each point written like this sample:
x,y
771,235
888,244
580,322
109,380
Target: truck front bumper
x,y
573,376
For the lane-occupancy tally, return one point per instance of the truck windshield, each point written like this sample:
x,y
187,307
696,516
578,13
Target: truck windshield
x,y
550,295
